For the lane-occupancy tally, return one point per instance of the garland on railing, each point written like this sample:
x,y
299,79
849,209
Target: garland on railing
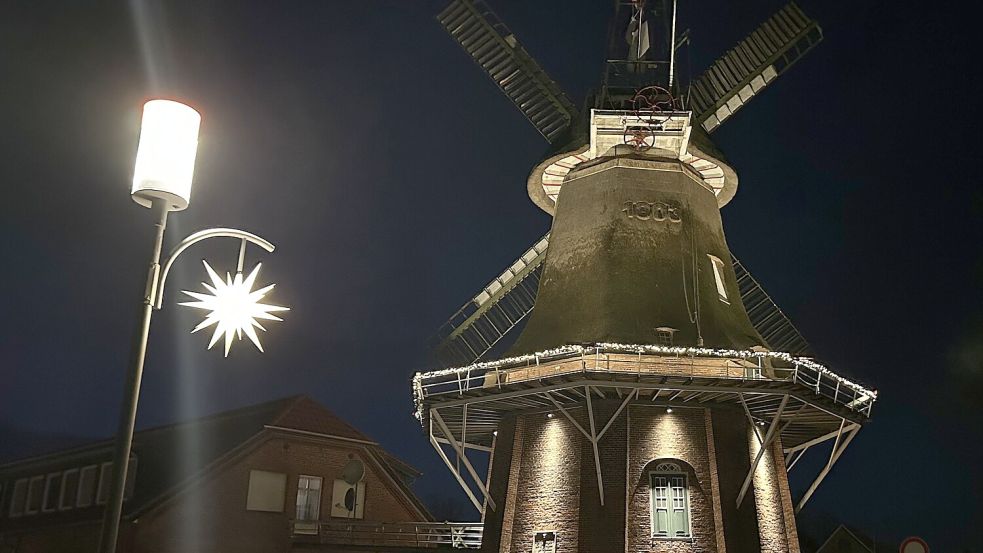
x,y
631,348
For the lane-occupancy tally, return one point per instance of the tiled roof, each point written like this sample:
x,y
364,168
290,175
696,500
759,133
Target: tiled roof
x,y
170,455
308,415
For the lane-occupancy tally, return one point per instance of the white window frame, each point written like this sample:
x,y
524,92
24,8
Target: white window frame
x,y
94,469
62,505
27,503
261,481
45,508
22,483
105,474
670,470
307,489
718,278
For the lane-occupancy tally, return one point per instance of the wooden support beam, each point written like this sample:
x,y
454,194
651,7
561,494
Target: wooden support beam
x,y
769,436
834,456
463,457
457,475
597,456
615,415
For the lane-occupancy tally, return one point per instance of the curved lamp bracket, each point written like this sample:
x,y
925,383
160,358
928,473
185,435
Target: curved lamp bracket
x,y
204,235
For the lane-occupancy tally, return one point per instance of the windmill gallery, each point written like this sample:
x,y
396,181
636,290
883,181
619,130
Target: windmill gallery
x,y
656,397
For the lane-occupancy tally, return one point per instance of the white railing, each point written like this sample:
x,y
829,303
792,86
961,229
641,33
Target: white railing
x,y
734,365
459,535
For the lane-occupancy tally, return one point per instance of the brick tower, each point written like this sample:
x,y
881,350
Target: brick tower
x,y
656,398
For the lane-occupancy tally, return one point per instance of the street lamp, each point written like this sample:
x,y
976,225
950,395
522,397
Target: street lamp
x,y
162,181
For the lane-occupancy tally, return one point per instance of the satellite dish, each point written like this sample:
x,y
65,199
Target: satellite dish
x,y
353,472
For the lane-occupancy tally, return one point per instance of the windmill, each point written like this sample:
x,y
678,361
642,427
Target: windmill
x,y
656,392
725,87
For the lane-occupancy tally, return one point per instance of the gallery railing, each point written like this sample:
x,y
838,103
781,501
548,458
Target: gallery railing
x,y
458,535
727,365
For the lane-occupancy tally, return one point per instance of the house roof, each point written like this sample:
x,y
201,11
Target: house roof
x,y
168,456
847,539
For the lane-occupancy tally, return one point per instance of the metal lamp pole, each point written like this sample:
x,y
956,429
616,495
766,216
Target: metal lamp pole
x,y
131,394
162,182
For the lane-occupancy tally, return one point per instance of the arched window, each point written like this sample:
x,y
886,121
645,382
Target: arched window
x,y
669,501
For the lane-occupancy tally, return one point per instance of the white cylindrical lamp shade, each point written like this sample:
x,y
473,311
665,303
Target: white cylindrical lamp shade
x,y
166,155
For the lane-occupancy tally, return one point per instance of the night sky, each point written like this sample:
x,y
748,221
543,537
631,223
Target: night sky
x,y
390,172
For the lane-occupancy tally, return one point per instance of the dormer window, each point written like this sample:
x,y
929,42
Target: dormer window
x,y
664,335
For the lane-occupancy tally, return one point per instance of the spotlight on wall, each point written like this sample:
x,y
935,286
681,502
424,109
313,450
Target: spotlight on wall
x,y
494,432
549,415
668,409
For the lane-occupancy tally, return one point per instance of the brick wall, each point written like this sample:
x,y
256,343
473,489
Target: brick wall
x,y
730,433
776,521
602,527
502,482
544,478
212,516
681,437
547,496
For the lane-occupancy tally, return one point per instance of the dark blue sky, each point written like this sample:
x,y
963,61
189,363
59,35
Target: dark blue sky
x,y
391,174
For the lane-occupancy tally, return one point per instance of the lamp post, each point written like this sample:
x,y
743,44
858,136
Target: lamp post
x,y
162,181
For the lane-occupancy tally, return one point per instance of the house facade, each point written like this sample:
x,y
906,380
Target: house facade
x,y
274,477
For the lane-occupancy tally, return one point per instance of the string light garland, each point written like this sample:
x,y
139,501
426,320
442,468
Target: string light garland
x,y
469,371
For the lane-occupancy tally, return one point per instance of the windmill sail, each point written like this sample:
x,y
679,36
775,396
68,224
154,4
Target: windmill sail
x,y
484,320
479,324
495,49
768,319
756,61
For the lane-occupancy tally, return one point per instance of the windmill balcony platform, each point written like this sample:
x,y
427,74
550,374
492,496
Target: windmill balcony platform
x,y
401,536
813,403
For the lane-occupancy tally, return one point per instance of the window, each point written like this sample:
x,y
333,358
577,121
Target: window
x,y
664,335
88,479
718,277
18,497
69,489
52,489
670,502
308,497
266,491
35,493
105,475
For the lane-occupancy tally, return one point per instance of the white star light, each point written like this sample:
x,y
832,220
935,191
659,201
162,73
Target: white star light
x,y
234,307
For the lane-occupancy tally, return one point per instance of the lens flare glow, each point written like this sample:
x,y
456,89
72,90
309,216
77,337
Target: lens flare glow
x,y
234,307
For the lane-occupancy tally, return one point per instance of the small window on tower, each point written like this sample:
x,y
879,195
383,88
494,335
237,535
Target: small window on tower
x,y
718,277
664,334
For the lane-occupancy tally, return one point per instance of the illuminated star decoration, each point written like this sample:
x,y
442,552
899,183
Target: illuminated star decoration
x,y
234,307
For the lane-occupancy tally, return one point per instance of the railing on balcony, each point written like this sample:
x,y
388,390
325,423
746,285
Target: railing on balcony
x,y
457,535
649,360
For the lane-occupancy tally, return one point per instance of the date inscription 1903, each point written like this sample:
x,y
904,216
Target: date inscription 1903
x,y
652,211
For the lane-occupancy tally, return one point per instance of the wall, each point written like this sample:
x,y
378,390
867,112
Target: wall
x,y
544,478
776,521
681,435
212,516
547,496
